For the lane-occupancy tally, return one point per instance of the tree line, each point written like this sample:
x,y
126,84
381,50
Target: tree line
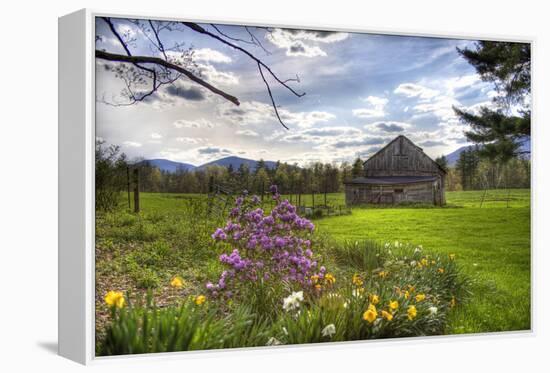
x,y
114,175
316,177
473,171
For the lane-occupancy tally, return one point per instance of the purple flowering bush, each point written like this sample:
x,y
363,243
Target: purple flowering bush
x,y
265,248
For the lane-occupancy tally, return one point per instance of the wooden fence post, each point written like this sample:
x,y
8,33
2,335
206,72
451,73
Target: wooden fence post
x,y
128,182
136,190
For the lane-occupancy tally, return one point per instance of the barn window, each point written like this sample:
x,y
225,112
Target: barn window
x,y
398,190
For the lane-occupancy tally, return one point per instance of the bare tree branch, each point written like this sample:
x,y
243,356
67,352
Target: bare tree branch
x,y
231,37
160,45
256,40
199,29
271,96
167,70
159,61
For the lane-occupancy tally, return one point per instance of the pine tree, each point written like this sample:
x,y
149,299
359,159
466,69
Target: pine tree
x,y
508,67
357,168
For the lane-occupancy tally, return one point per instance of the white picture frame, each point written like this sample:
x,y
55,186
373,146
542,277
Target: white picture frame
x,y
76,174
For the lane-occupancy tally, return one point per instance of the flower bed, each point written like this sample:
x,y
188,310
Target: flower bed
x,y
274,289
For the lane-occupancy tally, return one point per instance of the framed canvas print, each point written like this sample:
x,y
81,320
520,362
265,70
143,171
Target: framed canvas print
x,y
235,185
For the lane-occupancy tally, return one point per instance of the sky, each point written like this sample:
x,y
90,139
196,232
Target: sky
x,y
362,90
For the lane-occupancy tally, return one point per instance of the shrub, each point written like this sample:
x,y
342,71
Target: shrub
x,y
268,252
410,294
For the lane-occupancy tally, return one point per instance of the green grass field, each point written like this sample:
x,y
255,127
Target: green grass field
x,y
492,244
171,236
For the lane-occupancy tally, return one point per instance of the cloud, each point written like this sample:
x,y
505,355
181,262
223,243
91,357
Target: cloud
x,y
415,90
203,58
432,143
303,42
375,107
191,93
305,119
441,107
332,131
210,55
156,136
213,150
188,140
254,112
132,144
212,75
390,127
367,140
248,133
199,123
296,137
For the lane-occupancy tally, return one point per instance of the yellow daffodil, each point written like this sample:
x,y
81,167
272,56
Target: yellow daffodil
x,y
411,312
393,305
441,270
315,279
370,314
330,279
374,299
411,288
115,298
424,262
200,300
420,297
388,316
356,280
433,262
383,274
452,256
177,282
406,294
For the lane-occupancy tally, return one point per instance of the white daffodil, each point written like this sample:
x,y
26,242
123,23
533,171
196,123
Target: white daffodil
x,y
293,301
329,331
273,342
433,310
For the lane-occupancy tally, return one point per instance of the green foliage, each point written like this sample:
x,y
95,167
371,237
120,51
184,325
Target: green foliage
x,y
361,255
442,162
508,66
145,328
110,176
261,319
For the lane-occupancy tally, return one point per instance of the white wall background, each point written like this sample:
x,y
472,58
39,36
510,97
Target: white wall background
x,y
28,184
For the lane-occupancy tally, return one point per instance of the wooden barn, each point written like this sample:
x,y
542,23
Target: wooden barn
x,y
399,172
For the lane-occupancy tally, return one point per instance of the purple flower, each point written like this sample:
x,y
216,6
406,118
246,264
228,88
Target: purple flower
x,y
219,234
272,246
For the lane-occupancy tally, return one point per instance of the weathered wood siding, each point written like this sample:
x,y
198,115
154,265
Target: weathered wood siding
x,y
391,194
400,158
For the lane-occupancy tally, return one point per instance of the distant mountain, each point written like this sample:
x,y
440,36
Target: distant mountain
x,y
452,158
169,166
236,163
172,167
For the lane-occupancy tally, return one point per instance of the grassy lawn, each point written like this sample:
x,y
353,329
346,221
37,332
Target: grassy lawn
x,y
171,236
492,243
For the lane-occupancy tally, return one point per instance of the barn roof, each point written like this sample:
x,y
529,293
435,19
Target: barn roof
x,y
390,180
416,146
